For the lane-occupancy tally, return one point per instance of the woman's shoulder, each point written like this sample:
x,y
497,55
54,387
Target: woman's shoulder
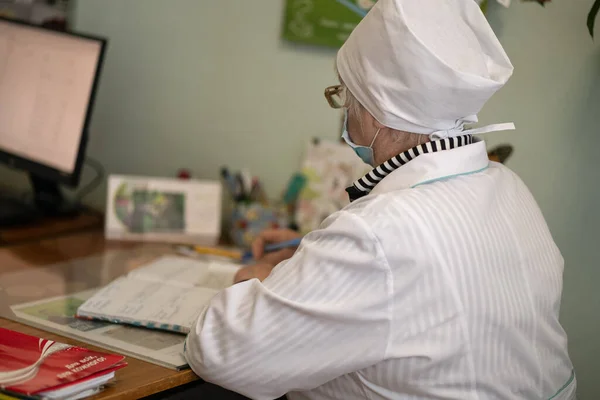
x,y
386,205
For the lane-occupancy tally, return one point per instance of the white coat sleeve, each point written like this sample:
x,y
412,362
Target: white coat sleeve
x,y
319,315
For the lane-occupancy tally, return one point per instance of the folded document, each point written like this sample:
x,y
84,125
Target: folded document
x,y
166,294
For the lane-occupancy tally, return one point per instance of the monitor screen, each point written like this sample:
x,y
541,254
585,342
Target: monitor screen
x,y
46,83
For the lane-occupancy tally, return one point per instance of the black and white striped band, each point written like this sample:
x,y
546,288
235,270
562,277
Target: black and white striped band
x,y
364,185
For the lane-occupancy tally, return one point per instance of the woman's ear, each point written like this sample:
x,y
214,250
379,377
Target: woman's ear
x,y
369,121
377,124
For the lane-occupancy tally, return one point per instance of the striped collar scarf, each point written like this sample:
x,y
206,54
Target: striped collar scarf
x,y
364,185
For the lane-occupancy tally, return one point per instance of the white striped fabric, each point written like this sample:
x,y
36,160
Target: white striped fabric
x,y
444,290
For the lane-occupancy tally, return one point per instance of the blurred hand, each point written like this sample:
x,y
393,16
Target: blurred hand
x,y
270,236
265,262
259,271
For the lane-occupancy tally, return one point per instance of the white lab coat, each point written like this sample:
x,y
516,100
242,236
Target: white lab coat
x,y
443,283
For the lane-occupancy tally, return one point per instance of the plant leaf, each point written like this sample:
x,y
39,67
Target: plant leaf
x,y
591,19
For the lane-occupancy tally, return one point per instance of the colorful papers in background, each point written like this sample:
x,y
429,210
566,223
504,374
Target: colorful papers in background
x,y
329,167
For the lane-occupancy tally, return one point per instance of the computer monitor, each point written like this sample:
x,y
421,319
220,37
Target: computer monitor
x,y
48,81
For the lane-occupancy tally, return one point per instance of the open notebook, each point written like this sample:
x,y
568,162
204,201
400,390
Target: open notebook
x,y
167,294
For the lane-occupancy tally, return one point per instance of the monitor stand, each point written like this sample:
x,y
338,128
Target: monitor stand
x,y
48,201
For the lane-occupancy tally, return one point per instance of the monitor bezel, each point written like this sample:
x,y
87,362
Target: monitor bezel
x,y
44,171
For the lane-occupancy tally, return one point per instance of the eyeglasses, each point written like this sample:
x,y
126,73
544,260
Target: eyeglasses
x,y
336,96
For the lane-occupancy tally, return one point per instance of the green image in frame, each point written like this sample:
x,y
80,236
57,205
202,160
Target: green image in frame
x,y
327,22
323,22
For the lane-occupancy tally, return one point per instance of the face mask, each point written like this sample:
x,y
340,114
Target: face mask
x,y
364,152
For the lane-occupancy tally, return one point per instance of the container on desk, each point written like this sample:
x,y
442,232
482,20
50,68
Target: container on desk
x,y
249,219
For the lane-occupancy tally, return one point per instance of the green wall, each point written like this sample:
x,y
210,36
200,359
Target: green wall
x,y
197,84
554,100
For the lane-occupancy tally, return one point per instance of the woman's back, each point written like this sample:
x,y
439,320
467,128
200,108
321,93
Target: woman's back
x,y
477,282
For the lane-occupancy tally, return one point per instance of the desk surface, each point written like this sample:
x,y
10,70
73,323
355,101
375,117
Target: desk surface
x,y
49,227
139,378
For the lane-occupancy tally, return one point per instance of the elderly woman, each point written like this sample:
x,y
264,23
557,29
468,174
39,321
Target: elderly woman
x,y
440,280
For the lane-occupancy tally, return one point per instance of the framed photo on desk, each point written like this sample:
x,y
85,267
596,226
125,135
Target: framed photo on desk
x,y
165,210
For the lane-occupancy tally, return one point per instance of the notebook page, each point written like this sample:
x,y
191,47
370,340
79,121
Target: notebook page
x,y
188,272
149,304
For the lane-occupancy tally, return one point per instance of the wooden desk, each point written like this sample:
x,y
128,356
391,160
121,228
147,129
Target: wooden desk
x,y
87,220
139,378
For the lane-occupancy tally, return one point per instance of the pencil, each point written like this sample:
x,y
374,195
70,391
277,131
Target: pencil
x,y
215,251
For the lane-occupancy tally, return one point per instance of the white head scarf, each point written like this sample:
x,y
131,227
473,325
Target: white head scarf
x,y
425,66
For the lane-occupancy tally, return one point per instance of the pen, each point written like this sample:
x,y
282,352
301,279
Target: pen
x,y
211,251
215,251
283,245
295,186
258,193
237,254
274,247
247,180
240,189
229,181
254,190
